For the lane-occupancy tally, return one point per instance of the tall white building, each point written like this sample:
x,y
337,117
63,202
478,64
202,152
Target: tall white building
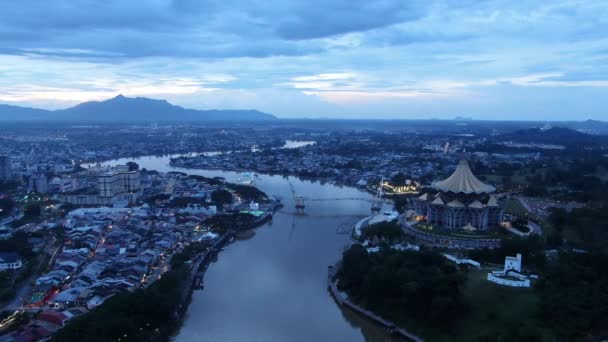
x,y
5,168
120,184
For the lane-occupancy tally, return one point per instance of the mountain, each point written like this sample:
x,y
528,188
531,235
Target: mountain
x,y
121,108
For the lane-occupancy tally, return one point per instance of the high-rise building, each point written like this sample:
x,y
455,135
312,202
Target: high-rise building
x,y
5,168
38,183
119,182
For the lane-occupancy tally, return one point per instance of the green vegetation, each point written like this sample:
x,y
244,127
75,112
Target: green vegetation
x,y
238,221
383,231
18,244
499,313
203,179
432,297
182,202
420,287
585,228
246,192
221,197
515,208
531,248
8,186
32,210
6,206
574,296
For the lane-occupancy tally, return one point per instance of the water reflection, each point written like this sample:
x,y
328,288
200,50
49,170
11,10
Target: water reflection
x,y
272,286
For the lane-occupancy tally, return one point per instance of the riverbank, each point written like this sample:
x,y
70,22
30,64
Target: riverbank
x,y
342,300
260,280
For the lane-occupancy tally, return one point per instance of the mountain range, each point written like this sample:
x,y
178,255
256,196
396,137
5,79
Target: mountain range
x,y
126,109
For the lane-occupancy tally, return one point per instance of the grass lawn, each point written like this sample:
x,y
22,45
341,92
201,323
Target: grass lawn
x,y
514,207
495,309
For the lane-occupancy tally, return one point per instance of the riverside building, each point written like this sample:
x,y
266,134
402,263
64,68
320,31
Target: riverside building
x,y
461,202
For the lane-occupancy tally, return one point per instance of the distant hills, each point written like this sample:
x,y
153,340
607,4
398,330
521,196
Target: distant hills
x,y
126,109
556,135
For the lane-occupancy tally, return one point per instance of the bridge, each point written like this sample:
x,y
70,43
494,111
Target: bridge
x,y
300,201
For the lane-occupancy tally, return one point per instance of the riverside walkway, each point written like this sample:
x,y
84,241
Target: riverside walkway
x,y
342,300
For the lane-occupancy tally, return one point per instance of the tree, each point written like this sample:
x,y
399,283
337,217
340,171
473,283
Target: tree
x,y
422,286
133,166
32,210
399,178
221,197
6,206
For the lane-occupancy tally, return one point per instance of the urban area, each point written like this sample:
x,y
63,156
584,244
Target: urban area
x,y
500,226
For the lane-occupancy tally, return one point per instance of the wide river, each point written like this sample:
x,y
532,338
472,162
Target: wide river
x,y
273,286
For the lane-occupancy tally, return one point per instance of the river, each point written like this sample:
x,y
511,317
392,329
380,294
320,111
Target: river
x,y
272,286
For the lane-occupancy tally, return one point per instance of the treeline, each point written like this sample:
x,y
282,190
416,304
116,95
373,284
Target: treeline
x,y
531,248
585,228
383,232
574,296
422,287
222,223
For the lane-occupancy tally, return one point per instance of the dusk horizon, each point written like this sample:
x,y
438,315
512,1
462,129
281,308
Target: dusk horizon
x,y
456,117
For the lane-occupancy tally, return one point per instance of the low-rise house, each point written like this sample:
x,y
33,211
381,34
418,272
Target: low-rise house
x,y
10,261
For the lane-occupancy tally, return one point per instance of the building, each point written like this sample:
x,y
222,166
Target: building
x,y
511,274
38,183
461,202
5,168
120,184
10,261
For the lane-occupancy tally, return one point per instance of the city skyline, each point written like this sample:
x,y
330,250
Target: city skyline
x,y
337,59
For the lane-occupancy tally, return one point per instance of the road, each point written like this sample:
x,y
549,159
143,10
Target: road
x,y
25,288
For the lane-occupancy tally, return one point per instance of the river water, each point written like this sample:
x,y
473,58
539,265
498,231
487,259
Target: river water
x,y
273,286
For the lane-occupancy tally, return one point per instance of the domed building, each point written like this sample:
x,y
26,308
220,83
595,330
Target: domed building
x,y
461,202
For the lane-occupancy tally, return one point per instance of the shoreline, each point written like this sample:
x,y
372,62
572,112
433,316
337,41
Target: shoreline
x,y
201,264
343,301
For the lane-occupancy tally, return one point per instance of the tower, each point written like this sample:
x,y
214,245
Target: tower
x,y
5,168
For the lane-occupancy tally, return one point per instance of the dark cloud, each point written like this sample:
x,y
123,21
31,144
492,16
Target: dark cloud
x,y
315,20
212,29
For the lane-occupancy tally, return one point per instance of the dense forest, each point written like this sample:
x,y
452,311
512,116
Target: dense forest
x,y
420,286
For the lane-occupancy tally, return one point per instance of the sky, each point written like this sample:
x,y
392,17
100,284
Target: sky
x,y
486,59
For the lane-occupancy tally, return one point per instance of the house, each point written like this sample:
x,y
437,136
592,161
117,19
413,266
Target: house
x,y
10,261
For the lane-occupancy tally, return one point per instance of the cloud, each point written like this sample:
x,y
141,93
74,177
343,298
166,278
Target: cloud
x,y
334,57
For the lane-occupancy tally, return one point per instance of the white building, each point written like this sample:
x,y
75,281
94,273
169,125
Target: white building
x,y
511,274
513,263
119,181
119,187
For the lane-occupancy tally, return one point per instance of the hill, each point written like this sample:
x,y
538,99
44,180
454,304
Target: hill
x,y
556,135
121,108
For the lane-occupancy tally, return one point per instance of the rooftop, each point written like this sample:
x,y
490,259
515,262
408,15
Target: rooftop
x,y
463,181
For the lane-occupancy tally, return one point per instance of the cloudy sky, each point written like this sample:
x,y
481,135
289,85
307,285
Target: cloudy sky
x,y
487,59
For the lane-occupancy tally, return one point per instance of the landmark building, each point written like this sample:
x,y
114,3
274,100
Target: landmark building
x,y
461,201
